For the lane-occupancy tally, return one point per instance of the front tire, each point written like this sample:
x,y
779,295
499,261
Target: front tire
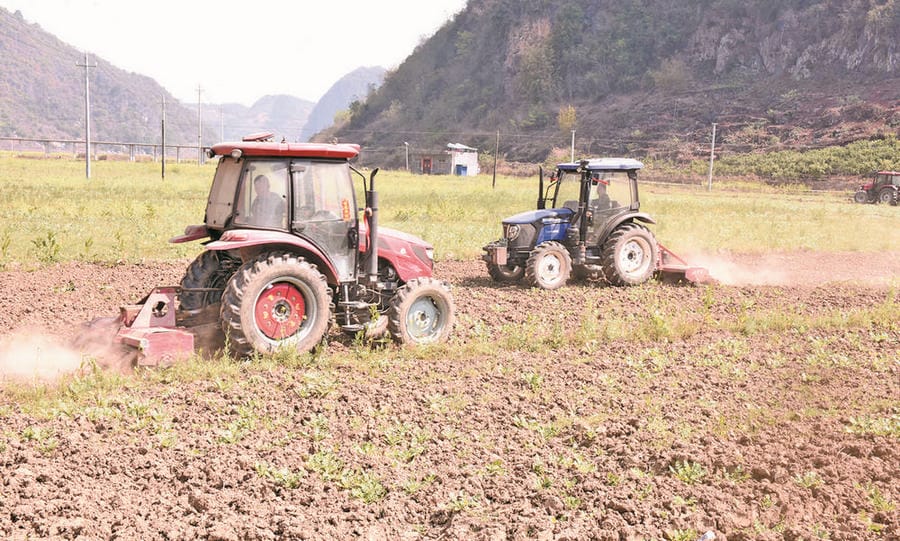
x,y
421,312
629,255
861,197
548,266
275,300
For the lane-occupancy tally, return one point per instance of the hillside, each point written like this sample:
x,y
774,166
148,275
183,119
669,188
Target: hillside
x,y
355,86
42,96
647,77
42,93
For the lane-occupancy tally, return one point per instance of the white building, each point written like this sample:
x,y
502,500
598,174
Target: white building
x,y
463,160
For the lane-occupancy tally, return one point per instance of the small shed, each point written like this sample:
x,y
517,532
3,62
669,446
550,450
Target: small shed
x,y
463,160
456,159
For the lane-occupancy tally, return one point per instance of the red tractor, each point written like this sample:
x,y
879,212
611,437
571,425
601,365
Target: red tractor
x,y
883,188
287,252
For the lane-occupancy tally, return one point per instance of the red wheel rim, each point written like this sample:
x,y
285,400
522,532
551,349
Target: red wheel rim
x,y
280,311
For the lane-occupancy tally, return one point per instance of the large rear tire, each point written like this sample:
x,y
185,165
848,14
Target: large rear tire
x,y
210,270
505,273
549,266
629,255
421,312
886,196
273,301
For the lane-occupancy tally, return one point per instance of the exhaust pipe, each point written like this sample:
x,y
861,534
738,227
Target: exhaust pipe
x,y
372,211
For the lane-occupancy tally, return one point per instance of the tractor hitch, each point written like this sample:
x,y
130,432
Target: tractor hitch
x,y
143,334
672,268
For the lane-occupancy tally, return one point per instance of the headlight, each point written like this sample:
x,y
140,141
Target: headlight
x,y
430,253
512,232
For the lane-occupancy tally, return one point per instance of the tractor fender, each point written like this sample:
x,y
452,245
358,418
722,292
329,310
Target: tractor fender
x,y
191,232
627,217
252,242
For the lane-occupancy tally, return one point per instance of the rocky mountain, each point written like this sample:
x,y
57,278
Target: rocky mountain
x,y
641,76
280,114
353,87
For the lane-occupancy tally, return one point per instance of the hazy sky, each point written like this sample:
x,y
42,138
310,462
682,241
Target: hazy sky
x,y
241,51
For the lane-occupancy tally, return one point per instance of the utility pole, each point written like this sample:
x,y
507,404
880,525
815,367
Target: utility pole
x,y
87,115
199,128
573,146
406,144
712,154
164,137
496,152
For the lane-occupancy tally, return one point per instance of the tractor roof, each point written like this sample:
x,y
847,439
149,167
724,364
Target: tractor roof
x,y
604,164
888,173
300,150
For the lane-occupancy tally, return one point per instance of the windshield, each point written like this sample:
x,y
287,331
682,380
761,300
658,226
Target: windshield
x,y
569,188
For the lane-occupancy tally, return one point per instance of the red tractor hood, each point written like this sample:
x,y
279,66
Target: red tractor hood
x,y
410,256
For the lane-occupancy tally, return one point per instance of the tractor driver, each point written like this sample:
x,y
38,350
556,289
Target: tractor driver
x,y
602,201
267,208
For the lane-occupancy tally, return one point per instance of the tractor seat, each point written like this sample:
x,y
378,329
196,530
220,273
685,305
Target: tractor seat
x,y
571,205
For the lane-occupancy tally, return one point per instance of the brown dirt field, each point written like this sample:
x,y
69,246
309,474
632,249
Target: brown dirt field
x,y
764,407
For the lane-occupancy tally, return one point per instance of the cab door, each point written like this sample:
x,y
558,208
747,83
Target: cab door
x,y
324,212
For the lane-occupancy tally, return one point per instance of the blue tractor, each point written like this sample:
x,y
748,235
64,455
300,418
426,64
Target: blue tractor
x,y
587,225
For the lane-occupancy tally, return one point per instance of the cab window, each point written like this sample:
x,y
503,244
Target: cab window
x,y
262,200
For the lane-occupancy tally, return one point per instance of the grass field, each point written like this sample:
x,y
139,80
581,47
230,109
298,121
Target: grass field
x,y
127,212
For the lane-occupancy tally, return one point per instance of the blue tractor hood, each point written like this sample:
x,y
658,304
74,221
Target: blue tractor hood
x,y
532,216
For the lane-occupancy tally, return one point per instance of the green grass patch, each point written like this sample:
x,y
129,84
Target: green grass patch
x,y
127,212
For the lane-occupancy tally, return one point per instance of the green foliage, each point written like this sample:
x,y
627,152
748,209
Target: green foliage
x,y
858,158
46,248
280,476
876,426
566,119
688,472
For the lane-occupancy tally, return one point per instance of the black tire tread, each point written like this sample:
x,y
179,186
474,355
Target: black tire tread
x,y
608,255
537,254
238,341
405,295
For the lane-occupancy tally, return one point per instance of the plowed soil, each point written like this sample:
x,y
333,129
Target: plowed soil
x,y
763,407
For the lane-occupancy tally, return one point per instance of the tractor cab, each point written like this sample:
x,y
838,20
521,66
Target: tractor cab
x,y
587,224
597,192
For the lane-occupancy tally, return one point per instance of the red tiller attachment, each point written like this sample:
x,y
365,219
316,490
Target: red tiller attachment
x,y
672,268
150,328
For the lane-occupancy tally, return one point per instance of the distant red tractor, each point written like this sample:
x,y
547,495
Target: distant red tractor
x,y
883,188
287,252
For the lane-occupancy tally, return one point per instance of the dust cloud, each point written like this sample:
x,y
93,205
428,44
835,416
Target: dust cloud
x,y
32,356
728,272
800,268
39,357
